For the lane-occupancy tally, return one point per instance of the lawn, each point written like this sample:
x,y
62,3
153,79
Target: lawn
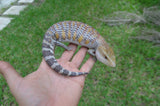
x,y
134,81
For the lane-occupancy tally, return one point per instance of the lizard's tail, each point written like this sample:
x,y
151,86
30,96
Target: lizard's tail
x,y
48,54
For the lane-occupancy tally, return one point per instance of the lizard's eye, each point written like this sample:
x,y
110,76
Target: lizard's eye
x,y
106,57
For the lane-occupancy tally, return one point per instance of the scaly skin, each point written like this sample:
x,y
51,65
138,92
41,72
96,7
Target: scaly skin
x,y
80,34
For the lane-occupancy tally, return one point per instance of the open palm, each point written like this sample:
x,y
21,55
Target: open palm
x,y
45,86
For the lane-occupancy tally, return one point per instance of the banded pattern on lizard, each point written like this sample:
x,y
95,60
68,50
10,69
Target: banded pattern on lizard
x,y
80,34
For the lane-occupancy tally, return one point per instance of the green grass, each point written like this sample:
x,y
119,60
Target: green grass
x,y
135,80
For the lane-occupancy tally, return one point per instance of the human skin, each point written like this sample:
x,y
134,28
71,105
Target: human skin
x,y
45,87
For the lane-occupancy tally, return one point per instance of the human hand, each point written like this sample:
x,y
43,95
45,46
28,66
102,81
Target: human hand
x,y
46,87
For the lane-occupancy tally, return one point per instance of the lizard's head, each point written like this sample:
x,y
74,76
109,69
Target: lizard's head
x,y
106,55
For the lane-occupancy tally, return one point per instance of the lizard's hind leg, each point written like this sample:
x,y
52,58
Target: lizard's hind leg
x,y
63,45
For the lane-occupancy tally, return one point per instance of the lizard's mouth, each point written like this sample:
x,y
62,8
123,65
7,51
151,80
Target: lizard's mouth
x,y
113,64
103,57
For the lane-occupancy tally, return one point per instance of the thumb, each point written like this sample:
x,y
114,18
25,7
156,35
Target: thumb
x,y
10,74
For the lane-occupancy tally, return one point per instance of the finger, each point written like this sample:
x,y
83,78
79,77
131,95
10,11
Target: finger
x,y
78,58
67,55
88,65
9,73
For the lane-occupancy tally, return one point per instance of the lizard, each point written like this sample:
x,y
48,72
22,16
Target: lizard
x,y
80,34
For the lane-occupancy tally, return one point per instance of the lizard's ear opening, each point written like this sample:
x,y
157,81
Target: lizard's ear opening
x,y
104,57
